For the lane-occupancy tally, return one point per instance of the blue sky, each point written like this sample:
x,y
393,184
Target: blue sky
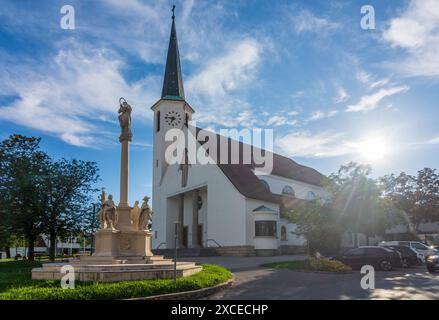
x,y
331,91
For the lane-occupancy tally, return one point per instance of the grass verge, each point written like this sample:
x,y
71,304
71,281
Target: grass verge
x,y
312,264
16,284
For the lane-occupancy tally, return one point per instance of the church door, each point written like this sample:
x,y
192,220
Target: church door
x,y
200,235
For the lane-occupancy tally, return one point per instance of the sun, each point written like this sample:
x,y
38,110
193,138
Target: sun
x,y
373,148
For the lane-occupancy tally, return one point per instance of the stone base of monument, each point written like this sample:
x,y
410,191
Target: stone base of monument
x,y
121,255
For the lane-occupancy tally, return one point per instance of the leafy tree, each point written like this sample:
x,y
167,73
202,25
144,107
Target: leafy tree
x,y
417,196
358,199
318,223
68,189
23,167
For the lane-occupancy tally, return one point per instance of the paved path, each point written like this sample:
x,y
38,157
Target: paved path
x,y
243,263
255,282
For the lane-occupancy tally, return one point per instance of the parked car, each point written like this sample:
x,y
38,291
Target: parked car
x,y
379,257
432,263
421,249
409,257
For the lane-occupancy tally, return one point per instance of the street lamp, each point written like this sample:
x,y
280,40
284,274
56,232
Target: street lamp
x,y
175,249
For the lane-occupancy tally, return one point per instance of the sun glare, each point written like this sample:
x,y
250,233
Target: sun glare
x,y
373,149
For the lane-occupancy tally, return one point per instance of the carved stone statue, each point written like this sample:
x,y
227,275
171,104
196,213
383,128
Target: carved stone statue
x,y
125,120
145,215
109,213
135,215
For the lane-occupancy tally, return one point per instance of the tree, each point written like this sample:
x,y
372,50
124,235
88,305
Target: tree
x,y
358,199
23,167
318,223
68,189
417,196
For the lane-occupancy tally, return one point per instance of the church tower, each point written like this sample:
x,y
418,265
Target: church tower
x,y
171,111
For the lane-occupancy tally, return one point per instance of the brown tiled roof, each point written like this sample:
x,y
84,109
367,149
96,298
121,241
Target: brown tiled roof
x,y
249,185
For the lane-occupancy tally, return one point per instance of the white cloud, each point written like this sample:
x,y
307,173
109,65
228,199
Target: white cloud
x,y
318,115
363,76
321,145
73,94
342,95
434,140
217,84
417,31
306,21
370,102
379,83
277,120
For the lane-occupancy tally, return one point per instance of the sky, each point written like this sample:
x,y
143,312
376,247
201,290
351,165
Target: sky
x,y
332,91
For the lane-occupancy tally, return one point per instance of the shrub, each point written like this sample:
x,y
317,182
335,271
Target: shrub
x,y
324,264
313,264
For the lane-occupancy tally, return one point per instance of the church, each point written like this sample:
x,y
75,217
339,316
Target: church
x,y
226,207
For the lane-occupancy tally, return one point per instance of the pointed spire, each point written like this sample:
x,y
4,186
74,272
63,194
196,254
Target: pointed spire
x,y
173,81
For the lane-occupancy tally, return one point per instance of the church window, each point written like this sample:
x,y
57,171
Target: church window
x,y
186,120
283,233
158,121
200,202
266,185
311,196
265,229
289,191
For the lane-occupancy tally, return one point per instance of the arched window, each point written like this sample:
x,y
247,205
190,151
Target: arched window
x,y
289,191
311,196
266,185
283,233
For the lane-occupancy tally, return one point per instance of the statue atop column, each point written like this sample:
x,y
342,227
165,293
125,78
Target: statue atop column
x,y
125,120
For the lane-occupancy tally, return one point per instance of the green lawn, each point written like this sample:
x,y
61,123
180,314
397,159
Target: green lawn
x,y
16,283
312,264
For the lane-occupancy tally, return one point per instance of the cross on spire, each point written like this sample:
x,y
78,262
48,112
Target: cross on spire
x,y
173,11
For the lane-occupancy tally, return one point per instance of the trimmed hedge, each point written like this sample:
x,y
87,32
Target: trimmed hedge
x,y
312,264
22,288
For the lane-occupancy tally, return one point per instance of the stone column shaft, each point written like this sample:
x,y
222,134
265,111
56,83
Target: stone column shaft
x,y
124,173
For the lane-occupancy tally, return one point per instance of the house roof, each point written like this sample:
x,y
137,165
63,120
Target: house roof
x,y
242,175
264,209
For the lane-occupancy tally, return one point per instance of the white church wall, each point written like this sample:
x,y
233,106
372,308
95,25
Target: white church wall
x,y
292,239
225,205
301,189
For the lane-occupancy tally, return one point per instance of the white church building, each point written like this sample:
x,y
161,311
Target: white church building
x,y
229,207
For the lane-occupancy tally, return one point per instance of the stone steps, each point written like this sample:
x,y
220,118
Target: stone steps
x,y
108,269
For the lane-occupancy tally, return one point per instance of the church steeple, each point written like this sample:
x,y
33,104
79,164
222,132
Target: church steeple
x,y
173,81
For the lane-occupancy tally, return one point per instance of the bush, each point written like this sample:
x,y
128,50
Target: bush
x,y
313,264
19,286
324,264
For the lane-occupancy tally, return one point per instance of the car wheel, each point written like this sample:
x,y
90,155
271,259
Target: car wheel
x,y
405,263
385,265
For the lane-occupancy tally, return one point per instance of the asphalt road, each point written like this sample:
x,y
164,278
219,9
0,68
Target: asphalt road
x,y
255,282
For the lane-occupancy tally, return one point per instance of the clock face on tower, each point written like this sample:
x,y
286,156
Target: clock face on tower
x,y
173,118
